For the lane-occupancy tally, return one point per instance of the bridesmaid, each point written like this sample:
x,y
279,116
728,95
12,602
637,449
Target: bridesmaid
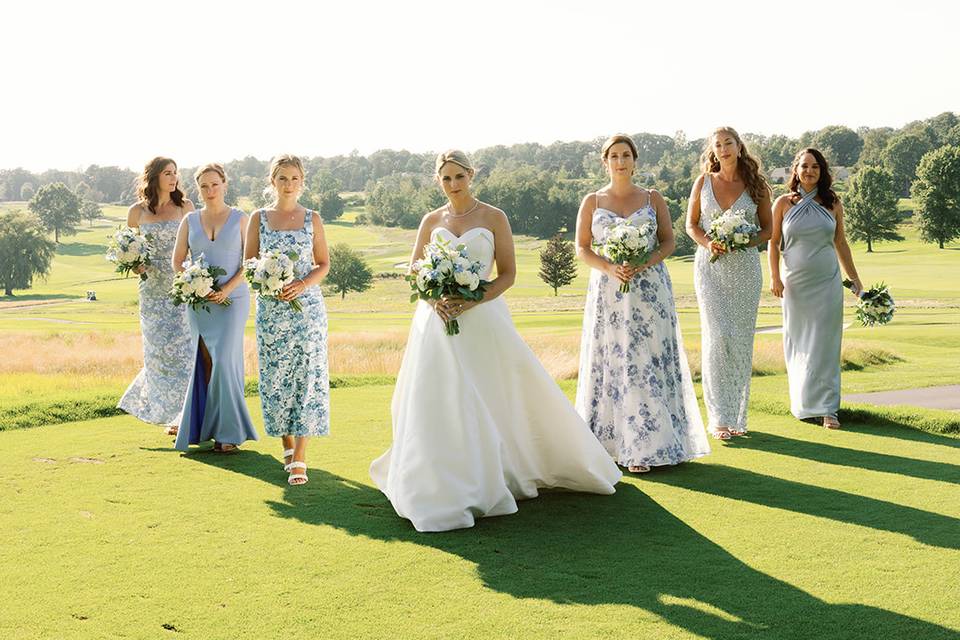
x,y
292,345
634,388
156,394
728,290
214,408
808,231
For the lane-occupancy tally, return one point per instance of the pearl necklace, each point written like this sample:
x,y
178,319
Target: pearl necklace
x,y
465,213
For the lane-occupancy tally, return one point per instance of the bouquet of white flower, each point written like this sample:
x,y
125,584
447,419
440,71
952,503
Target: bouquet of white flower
x,y
446,271
732,231
130,250
628,244
197,280
270,273
875,305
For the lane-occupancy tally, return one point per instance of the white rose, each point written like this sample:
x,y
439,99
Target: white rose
x,y
464,278
273,283
187,288
445,267
474,281
422,279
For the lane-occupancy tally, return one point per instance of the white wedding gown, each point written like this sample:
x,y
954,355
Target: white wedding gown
x,y
477,421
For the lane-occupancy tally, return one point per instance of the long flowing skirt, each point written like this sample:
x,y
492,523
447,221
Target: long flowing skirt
x,y
479,424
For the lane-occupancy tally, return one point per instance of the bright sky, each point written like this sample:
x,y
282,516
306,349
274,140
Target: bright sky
x,y
117,82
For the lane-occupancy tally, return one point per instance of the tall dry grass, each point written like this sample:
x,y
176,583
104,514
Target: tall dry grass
x,y
120,354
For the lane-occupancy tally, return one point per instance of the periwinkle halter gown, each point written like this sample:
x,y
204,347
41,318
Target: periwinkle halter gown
x,y
218,411
812,308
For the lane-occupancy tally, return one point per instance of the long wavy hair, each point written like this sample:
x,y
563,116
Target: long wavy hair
x,y
748,167
824,185
148,190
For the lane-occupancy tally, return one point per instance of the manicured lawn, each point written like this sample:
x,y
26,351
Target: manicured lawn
x,y
794,532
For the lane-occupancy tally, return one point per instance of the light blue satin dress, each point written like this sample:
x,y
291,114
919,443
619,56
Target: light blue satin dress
x,y
218,411
812,308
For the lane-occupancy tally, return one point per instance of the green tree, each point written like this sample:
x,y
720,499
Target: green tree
x,y
936,194
901,157
27,191
841,145
348,271
331,206
25,251
58,209
558,263
90,211
870,207
685,244
874,142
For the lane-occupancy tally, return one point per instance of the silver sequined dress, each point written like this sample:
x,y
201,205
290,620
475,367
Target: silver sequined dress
x,y
728,293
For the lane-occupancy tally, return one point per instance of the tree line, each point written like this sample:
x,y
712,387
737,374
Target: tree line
x,y
540,186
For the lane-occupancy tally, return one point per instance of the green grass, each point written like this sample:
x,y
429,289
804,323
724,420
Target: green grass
x,y
793,533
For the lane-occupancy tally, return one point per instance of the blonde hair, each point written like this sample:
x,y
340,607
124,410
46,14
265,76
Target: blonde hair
x,y
455,156
278,163
747,166
214,167
616,139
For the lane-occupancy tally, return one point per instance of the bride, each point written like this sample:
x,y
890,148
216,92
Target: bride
x,y
477,422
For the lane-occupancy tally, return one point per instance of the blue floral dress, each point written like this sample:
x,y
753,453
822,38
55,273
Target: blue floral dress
x,y
156,394
634,388
292,345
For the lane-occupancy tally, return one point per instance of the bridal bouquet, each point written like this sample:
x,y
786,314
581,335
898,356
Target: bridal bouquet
x,y
446,271
270,273
875,306
130,250
197,280
731,230
628,244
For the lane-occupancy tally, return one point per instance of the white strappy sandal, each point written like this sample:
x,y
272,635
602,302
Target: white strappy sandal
x,y
297,479
287,453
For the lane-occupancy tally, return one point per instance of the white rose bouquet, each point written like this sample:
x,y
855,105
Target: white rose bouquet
x,y
197,280
875,305
446,271
628,244
270,273
732,231
130,250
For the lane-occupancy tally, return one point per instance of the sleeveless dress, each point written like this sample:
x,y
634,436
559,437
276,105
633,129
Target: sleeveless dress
x,y
156,394
292,345
477,422
728,293
217,411
634,388
812,308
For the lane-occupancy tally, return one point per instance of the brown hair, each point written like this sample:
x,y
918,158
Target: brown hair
x,y
455,156
214,167
824,185
615,139
147,190
748,167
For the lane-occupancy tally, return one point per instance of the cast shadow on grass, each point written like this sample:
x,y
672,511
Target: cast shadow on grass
x,y
855,458
594,550
927,527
